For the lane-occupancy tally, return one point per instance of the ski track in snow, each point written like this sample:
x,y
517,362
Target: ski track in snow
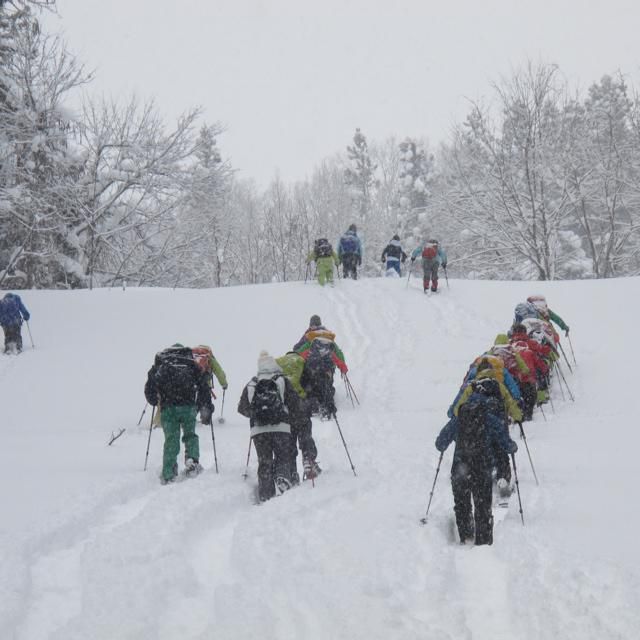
x,y
346,558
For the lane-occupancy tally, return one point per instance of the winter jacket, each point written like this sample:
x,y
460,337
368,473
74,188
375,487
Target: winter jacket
x,y
558,320
314,332
532,352
393,252
496,435
292,365
12,311
269,368
441,255
349,244
510,405
327,261
337,356
187,386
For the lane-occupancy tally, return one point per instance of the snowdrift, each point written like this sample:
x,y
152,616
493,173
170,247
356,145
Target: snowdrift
x,y
93,547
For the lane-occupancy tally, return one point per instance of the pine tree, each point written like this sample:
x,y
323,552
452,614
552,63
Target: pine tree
x,y
359,175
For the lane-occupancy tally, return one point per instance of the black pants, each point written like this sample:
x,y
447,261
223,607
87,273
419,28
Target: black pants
x,y
273,449
472,481
503,466
350,265
321,392
12,336
301,435
529,395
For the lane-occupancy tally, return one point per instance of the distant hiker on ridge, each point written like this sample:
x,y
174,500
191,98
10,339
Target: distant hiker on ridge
x,y
325,258
432,257
393,255
350,253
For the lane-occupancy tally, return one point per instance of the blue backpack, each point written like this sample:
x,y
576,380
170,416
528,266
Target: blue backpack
x,y
349,243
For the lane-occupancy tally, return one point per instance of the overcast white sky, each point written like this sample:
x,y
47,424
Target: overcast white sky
x,y
292,79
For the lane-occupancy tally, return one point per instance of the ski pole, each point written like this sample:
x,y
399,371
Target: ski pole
x,y
33,346
146,458
409,276
564,355
543,414
573,355
306,273
353,391
446,277
335,417
215,455
142,414
560,382
221,418
565,382
515,475
245,475
524,437
433,488
346,387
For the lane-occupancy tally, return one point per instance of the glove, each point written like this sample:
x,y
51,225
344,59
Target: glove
x,y
205,415
359,260
513,448
224,387
27,317
383,260
566,332
444,265
413,259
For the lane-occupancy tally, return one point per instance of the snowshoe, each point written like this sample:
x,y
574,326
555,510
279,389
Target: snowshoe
x,y
282,485
311,470
192,468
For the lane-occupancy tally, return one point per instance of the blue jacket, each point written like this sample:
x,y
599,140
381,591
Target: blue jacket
x,y
12,311
497,434
441,256
349,243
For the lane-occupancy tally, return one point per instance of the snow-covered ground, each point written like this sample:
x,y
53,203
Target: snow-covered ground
x,y
94,548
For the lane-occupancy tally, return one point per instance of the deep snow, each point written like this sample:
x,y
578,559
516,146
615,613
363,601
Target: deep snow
x,y
93,547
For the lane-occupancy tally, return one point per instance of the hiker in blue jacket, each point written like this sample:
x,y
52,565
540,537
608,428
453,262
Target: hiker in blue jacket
x,y
478,433
12,313
433,256
350,252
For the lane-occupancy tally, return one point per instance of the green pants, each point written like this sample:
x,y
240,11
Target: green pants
x,y
172,418
325,270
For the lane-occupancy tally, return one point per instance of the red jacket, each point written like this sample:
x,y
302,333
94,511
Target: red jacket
x,y
532,352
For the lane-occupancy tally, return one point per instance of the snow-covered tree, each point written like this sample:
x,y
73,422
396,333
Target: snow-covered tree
x,y
359,175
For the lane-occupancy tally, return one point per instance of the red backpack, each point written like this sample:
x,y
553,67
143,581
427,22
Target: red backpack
x,y
430,251
202,355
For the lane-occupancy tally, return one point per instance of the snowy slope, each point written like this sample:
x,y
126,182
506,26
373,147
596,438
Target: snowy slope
x,y
93,547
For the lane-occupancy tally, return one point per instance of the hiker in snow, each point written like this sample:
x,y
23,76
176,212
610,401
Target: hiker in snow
x,y
393,255
325,258
536,356
178,384
12,313
321,355
521,365
504,407
540,303
433,256
269,400
350,253
292,365
478,432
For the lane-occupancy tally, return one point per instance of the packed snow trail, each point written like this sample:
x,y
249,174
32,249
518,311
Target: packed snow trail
x,y
92,547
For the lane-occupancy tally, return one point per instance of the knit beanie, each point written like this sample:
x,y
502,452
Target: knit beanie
x,y
315,321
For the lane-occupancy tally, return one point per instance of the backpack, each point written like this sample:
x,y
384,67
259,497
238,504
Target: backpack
x,y
471,440
430,251
320,356
322,248
349,243
267,407
175,373
202,357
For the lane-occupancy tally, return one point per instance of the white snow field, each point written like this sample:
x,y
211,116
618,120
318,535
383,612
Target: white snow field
x,y
94,548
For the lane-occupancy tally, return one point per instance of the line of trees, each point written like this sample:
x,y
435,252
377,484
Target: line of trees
x,y
542,183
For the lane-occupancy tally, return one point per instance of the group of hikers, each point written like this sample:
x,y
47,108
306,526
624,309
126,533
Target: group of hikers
x,y
501,386
349,254
12,314
279,402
